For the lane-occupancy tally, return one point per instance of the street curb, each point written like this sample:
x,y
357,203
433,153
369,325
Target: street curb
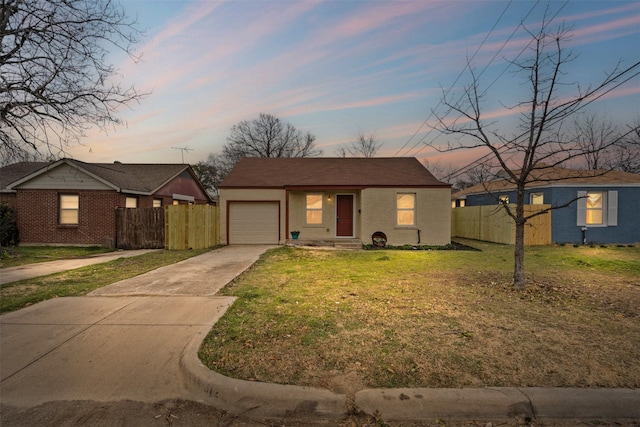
x,y
264,400
255,399
488,404
501,403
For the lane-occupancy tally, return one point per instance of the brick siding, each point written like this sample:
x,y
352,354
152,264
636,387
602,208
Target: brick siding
x,y
38,217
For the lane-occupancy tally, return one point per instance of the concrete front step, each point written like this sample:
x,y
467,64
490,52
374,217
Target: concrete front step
x,y
352,244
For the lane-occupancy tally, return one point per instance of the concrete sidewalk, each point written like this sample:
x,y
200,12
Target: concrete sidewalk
x,y
117,347
28,271
101,348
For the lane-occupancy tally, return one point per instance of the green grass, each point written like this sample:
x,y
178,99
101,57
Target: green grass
x,y
346,320
22,255
81,281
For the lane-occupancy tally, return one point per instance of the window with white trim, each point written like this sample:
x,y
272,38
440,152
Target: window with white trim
x,y
536,199
157,203
406,209
313,209
594,208
69,208
597,208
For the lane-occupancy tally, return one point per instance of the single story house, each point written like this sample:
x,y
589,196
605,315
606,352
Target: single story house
x,y
333,200
69,202
603,206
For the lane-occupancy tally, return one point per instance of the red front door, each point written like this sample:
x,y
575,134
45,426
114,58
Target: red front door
x,y
344,215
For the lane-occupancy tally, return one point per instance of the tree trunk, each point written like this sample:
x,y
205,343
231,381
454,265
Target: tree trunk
x,y
518,256
518,252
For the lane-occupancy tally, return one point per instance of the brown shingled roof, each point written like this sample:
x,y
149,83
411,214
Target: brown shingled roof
x,y
260,172
142,177
136,177
14,172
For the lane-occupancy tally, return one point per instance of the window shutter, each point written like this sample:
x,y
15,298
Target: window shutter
x,y
612,208
582,208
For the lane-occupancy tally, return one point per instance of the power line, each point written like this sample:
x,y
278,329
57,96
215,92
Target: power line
x,y
578,104
421,140
457,78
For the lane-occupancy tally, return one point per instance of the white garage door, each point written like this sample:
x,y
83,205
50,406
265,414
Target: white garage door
x,y
253,223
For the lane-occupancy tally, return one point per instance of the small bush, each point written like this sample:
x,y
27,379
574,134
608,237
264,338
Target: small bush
x,y
8,226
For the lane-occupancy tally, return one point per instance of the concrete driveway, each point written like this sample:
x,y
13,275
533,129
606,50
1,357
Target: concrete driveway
x,y
126,345
203,275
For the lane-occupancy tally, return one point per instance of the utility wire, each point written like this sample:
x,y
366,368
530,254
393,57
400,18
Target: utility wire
x,y
421,140
489,86
502,150
457,78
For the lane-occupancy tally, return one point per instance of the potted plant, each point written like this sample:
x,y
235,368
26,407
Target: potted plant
x,y
295,234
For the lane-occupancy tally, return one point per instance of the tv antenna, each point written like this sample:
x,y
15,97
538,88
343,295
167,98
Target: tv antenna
x,y
183,149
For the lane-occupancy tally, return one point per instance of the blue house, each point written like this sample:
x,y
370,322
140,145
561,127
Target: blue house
x,y
602,206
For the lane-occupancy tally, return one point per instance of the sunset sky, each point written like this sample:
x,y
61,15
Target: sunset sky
x,y
337,68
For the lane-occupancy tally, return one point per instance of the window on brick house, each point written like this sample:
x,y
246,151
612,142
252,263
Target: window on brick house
x,y
69,207
157,203
131,202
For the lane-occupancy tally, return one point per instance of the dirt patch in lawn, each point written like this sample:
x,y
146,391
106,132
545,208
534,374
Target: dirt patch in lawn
x,y
351,320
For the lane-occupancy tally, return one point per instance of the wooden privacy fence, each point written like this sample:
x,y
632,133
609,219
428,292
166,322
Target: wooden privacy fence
x,y
141,228
191,226
492,224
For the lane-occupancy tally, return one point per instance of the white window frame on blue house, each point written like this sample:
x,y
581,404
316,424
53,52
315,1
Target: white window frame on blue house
x,y
609,207
536,199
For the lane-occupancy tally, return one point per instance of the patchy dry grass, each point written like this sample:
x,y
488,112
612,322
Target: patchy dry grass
x,y
348,320
81,281
21,255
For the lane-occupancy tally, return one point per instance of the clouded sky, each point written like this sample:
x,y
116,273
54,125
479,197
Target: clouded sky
x,y
336,68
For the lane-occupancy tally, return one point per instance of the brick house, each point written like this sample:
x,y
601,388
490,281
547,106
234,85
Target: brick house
x,y
68,202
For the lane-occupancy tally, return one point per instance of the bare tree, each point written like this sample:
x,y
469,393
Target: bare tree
x,y
523,157
268,136
626,154
366,145
55,82
442,171
478,173
593,133
212,171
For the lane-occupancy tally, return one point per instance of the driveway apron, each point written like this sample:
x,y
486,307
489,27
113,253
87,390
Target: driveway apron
x,y
126,345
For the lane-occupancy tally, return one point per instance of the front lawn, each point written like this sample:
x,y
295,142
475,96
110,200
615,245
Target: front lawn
x,y
346,320
81,281
21,255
